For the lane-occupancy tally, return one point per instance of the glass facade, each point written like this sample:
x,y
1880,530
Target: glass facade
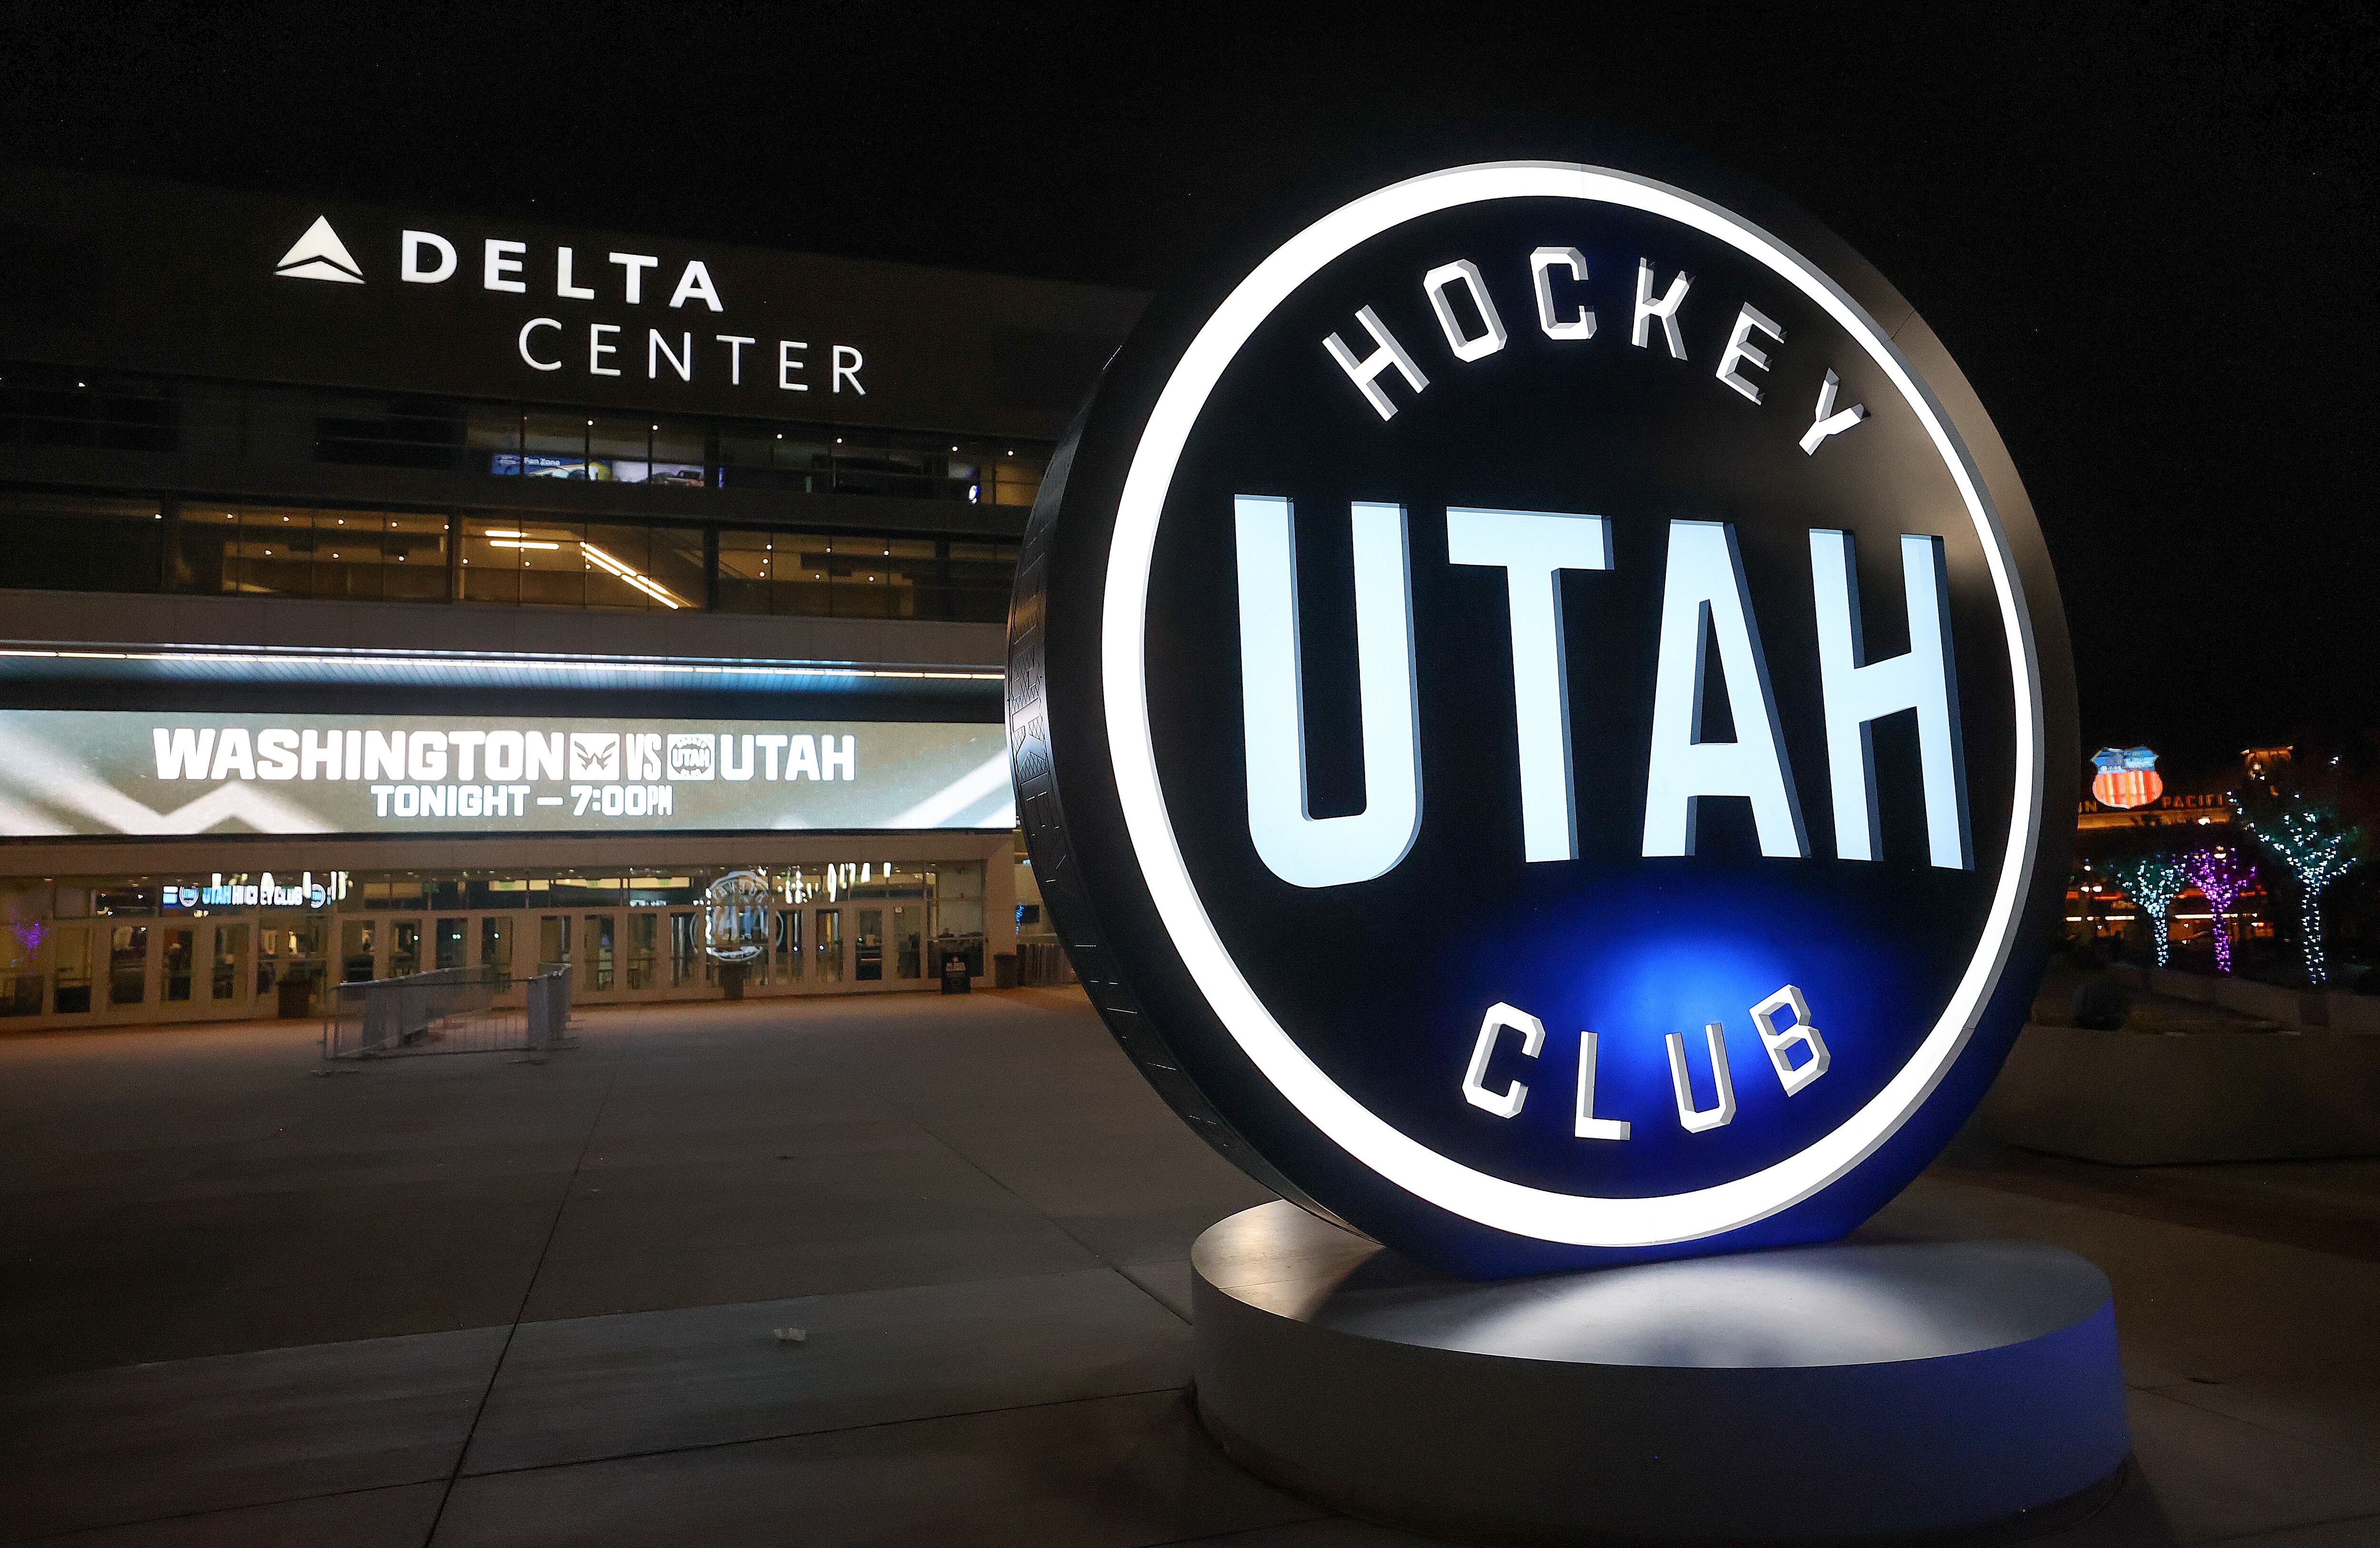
x,y
279,551
70,542
173,541
57,406
102,949
863,575
518,560
118,949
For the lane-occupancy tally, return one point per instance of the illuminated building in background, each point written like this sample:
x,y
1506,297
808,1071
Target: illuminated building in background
x,y
534,583
2191,812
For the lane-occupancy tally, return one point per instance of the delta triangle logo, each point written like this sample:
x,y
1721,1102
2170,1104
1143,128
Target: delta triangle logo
x,y
320,254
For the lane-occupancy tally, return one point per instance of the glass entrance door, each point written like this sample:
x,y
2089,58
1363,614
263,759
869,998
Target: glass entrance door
x,y
644,952
70,970
449,939
290,965
786,955
404,948
127,965
595,951
180,964
867,946
552,940
496,948
830,946
358,945
230,962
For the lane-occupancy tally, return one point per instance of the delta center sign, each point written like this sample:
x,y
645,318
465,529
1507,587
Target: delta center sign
x,y
1530,697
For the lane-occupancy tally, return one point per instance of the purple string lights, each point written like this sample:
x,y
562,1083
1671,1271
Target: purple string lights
x,y
2220,877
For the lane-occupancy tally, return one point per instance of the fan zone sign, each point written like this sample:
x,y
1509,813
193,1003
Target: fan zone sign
x,y
1531,705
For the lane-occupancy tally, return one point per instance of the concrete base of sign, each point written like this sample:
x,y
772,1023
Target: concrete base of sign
x,y
1861,1389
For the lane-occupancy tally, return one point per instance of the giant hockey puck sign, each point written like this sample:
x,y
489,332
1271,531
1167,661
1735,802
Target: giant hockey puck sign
x,y
1531,701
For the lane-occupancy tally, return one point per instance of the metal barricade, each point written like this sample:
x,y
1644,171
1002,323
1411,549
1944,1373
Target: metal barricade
x,y
549,1005
450,1011
1042,963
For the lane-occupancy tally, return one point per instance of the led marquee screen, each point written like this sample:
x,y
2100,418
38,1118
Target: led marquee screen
x,y
71,773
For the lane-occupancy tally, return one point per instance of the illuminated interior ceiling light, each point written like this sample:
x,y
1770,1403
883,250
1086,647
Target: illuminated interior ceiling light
x,y
515,543
650,589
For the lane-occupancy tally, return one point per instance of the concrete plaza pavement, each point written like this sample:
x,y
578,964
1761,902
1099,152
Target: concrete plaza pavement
x,y
472,1299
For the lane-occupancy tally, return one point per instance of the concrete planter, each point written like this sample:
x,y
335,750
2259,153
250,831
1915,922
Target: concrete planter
x,y
2179,984
2173,985
2289,1006
2293,1008
2137,1100
2359,1014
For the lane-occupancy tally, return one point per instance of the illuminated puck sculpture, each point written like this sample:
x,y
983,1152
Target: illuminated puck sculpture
x,y
1532,699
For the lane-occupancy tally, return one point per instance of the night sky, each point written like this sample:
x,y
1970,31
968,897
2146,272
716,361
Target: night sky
x,y
2146,232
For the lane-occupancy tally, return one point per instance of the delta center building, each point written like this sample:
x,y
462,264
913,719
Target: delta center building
x,y
391,590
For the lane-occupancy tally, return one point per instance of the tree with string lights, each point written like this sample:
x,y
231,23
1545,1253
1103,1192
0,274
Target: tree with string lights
x,y
2152,882
2318,845
2220,876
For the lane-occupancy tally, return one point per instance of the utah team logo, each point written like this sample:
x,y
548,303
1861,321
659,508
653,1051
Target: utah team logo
x,y
692,756
1531,708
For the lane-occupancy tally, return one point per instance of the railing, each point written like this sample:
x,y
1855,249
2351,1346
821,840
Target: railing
x,y
548,1009
1042,963
450,1011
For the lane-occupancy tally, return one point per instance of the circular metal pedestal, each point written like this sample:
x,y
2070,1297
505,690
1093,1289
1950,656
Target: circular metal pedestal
x,y
1861,1389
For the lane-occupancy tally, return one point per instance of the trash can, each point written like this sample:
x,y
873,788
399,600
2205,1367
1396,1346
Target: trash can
x,y
731,979
294,999
1003,969
955,980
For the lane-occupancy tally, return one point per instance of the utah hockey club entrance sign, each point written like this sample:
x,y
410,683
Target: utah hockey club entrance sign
x,y
1531,705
